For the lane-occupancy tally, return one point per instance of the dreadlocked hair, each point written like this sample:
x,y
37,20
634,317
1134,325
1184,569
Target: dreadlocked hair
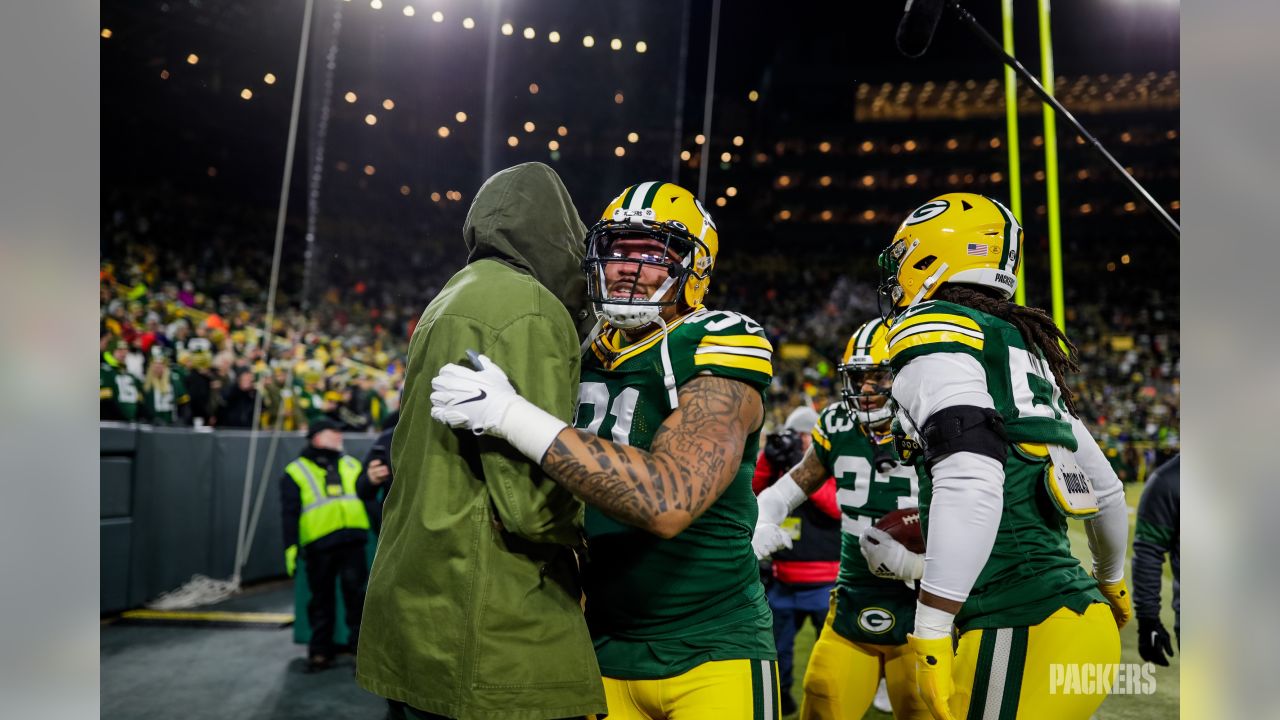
x,y
1036,327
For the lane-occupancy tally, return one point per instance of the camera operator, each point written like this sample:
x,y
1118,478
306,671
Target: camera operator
x,y
803,576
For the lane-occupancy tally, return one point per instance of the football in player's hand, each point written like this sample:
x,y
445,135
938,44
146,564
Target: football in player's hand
x,y
904,526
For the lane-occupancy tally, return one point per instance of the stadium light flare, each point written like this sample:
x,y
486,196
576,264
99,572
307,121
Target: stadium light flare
x,y
562,131
615,44
753,96
731,191
269,79
824,181
633,137
442,131
460,116
404,190
617,97
553,36
507,28
350,96
784,215
737,141
106,33
164,74
642,46
369,169
685,155
619,151
699,139
246,93
370,119
437,17
533,88
468,23
513,141
408,11
530,33
726,156
375,4
824,147
588,41
192,59
529,126
388,104
721,202
553,145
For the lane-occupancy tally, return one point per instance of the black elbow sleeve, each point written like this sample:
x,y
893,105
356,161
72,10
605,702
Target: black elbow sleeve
x,y
964,428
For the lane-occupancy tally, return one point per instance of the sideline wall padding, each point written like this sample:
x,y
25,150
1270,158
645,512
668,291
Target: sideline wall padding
x,y
171,501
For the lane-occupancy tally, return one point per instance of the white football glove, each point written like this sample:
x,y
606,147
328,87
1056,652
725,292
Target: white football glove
x,y
484,402
775,503
889,558
769,539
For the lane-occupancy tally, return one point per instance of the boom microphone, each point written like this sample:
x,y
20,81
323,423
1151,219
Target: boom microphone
x,y
919,20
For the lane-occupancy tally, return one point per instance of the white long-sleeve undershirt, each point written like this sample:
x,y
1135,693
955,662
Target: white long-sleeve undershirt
x,y
1108,530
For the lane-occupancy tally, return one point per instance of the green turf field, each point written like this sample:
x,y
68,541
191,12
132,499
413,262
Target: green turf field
x,y
1163,704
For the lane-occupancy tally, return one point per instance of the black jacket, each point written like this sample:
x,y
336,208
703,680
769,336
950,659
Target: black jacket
x,y
374,495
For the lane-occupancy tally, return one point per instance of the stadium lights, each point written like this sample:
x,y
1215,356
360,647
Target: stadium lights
x,y
387,104
529,126
642,46
825,181
912,178
350,96
824,147
408,11
909,145
868,180
997,177
731,191
533,88
784,215
460,116
435,197
553,145
375,4
192,59
868,146
562,131
443,131
721,202
685,155
1124,259
737,141
553,36
164,74
246,93
468,23
617,97
369,169
370,119
753,96
530,33
404,190
507,28
437,16
588,41
633,137
784,180
619,151
699,139
615,43
269,79
726,157
869,215
513,141
826,216
106,33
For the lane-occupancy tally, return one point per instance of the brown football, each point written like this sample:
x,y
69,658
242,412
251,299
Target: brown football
x,y
904,526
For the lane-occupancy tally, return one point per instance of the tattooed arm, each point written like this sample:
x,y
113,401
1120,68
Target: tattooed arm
x,y
695,455
809,473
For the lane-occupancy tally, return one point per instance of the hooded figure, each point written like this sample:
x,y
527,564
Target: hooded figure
x,y
473,605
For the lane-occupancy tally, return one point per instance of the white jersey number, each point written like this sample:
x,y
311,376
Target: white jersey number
x,y
596,396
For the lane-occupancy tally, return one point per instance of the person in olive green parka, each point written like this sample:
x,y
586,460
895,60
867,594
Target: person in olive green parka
x,y
473,606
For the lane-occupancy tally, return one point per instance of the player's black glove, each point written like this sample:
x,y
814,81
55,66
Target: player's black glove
x,y
1154,643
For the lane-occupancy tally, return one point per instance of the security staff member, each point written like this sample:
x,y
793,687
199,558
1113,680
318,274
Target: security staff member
x,y
323,516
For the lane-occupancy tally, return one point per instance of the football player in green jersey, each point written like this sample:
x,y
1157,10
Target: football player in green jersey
x,y
866,628
670,408
980,391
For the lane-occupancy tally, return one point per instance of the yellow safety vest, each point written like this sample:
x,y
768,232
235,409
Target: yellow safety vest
x,y
327,508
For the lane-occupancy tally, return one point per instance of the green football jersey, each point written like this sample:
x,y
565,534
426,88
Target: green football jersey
x,y
163,405
868,609
1031,571
119,393
658,608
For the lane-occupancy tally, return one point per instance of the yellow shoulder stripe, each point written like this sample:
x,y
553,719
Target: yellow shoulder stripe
x,y
749,341
912,320
738,362
821,438
935,336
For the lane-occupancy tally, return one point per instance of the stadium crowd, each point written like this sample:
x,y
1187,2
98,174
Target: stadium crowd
x,y
181,325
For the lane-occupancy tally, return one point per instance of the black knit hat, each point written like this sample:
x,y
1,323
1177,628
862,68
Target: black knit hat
x,y
322,425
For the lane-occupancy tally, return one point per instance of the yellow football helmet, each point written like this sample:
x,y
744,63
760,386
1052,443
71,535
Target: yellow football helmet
x,y
670,215
866,358
957,238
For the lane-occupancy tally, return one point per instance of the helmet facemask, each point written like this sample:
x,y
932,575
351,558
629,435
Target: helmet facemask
x,y
889,294
672,249
866,388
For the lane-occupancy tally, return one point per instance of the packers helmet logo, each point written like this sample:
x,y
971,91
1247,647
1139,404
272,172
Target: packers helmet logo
x,y
928,211
876,620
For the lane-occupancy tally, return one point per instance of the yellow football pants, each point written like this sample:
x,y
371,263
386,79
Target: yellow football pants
x,y
842,678
1006,673
719,690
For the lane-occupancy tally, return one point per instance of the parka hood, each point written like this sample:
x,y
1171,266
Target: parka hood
x,y
523,217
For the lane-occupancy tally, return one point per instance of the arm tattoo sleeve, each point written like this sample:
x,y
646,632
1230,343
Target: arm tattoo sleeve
x,y
694,457
809,473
